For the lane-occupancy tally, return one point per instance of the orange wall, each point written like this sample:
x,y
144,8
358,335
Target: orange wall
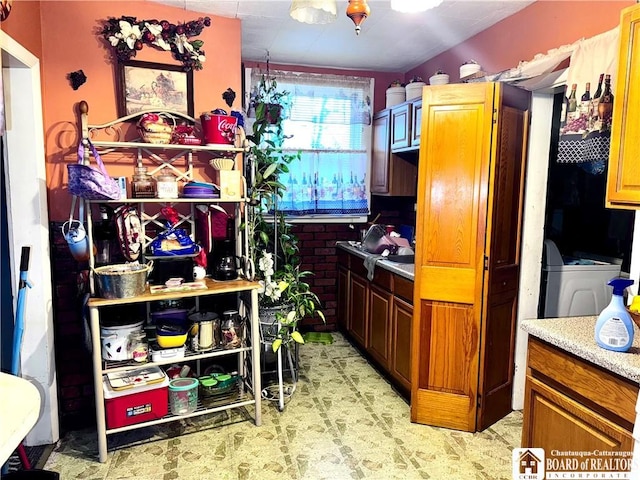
x,y
535,29
71,41
381,79
23,25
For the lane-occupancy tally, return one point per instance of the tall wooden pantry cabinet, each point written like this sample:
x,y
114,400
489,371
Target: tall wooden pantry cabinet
x,y
469,215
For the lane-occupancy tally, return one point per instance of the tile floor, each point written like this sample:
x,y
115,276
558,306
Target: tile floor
x,y
344,421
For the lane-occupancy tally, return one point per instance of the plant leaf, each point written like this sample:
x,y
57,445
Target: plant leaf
x,y
276,344
297,337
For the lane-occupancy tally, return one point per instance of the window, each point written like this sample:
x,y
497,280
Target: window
x,y
328,121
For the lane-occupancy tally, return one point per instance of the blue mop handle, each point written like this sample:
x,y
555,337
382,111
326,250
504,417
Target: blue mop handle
x,y
18,328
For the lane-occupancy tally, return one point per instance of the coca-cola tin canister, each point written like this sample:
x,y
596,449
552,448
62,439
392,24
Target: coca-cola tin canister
x,y
218,129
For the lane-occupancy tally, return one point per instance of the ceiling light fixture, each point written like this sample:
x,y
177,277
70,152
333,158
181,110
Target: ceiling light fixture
x,y
358,11
314,11
413,6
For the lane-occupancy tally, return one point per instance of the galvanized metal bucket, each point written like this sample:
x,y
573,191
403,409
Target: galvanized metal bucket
x,y
122,280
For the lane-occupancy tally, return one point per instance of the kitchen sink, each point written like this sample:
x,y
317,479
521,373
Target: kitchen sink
x,y
401,258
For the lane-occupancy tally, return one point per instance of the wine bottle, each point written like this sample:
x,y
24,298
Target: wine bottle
x,y
595,99
598,91
585,101
605,105
573,101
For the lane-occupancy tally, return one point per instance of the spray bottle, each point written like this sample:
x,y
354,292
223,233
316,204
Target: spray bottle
x,y
614,328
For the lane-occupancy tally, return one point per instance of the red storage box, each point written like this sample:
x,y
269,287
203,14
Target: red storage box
x,y
135,405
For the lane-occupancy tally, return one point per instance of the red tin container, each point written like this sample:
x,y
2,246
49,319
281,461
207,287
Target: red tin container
x,y
218,129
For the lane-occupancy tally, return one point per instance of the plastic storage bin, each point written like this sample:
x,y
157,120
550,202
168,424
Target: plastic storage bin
x,y
575,287
136,404
183,395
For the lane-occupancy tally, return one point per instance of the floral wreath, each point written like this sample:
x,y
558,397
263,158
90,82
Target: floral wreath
x,y
127,35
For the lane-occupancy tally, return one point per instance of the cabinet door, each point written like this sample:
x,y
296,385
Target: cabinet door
x,y
457,152
623,182
379,325
416,122
401,319
343,299
358,308
401,126
554,421
380,152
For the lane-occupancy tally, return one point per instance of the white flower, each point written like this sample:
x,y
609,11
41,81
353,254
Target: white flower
x,y
156,30
115,39
265,264
131,33
272,290
182,43
197,56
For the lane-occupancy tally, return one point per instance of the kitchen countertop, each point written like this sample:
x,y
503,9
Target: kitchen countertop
x,y
576,335
402,269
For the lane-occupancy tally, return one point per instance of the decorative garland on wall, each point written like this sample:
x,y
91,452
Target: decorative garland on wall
x,y
127,35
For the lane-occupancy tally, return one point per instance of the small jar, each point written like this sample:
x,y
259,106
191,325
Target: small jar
x,y
137,346
231,328
143,184
167,185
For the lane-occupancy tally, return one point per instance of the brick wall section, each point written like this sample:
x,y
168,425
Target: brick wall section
x,y
318,254
73,360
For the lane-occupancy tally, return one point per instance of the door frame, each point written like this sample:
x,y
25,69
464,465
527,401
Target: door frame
x,y
28,225
534,219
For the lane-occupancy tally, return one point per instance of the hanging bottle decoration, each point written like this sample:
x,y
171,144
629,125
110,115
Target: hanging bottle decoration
x,y
358,11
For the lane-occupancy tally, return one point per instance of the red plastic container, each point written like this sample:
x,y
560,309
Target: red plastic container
x,y
218,129
135,405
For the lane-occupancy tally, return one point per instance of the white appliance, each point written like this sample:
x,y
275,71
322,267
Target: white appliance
x,y
575,286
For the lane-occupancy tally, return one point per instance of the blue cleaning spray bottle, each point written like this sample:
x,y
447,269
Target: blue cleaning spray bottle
x,y
614,328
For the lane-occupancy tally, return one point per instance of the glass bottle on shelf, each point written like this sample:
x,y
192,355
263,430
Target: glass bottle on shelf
x,y
605,105
167,185
143,184
573,101
595,100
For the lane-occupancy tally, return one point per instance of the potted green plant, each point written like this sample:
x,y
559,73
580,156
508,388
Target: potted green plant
x,y
269,102
286,297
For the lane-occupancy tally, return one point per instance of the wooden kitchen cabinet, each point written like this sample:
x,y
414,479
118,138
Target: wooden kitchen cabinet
x,y
380,309
623,182
572,404
401,320
380,325
416,122
406,121
391,175
468,235
401,126
343,298
358,309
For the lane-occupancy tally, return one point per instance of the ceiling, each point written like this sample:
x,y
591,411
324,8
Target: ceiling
x,y
389,41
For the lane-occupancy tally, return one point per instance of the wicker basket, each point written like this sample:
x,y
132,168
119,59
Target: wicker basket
x,y
153,128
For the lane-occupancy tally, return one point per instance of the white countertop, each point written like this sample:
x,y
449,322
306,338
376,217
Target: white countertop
x,y
576,335
19,412
402,269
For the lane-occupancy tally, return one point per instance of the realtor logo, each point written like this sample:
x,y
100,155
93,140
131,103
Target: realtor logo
x,y
528,463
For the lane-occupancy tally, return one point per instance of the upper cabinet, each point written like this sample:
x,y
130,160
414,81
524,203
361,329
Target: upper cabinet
x,y
623,183
391,175
405,126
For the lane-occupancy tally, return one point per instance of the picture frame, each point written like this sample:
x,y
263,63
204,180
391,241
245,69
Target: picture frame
x,y
147,86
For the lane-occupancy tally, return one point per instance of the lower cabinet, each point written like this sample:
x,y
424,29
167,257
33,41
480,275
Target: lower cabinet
x,y
401,318
574,405
380,325
358,309
377,317
343,298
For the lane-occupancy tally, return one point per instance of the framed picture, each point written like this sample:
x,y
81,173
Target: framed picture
x,y
154,86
